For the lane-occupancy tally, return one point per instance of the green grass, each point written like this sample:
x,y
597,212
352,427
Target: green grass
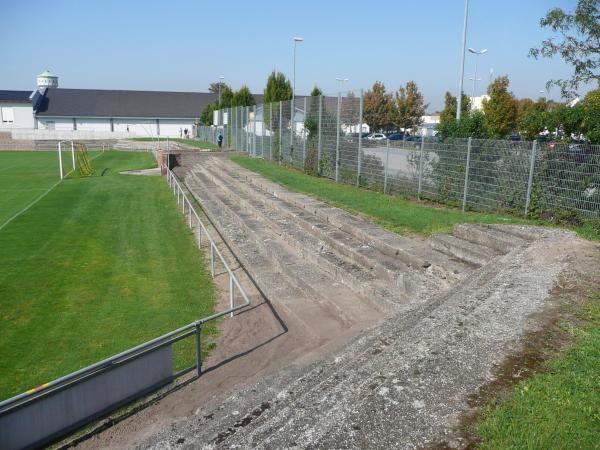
x,y
558,408
190,142
98,265
397,214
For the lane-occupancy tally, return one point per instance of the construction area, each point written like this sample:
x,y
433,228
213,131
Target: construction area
x,y
356,337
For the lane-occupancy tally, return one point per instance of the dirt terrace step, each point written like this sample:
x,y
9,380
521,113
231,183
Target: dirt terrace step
x,y
400,386
494,238
467,251
414,253
304,276
316,239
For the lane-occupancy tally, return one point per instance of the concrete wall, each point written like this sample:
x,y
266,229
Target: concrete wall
x,y
36,423
79,135
23,116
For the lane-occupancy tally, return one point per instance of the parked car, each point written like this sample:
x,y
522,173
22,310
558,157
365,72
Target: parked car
x,y
376,137
396,137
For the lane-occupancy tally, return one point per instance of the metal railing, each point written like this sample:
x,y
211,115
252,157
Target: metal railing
x,y
325,136
73,379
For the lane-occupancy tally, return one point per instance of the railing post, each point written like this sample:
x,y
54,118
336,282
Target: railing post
x,y
337,137
467,165
530,179
304,135
198,350
360,139
421,155
190,213
231,292
319,135
212,259
199,234
387,162
280,157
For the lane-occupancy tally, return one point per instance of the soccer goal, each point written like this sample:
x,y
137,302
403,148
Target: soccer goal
x,y
79,158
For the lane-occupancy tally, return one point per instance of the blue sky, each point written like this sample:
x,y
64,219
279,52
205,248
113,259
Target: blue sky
x,y
183,45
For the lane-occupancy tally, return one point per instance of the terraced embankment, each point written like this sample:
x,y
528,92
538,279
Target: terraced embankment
x,y
440,315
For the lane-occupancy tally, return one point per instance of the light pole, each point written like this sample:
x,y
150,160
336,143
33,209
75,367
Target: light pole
x,y
296,40
462,61
221,78
475,79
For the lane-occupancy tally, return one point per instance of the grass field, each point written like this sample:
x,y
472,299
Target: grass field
x,y
190,142
558,408
96,266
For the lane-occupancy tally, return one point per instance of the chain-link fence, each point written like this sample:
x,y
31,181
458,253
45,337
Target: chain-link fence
x,y
327,136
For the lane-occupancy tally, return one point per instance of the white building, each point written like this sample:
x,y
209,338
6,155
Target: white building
x,y
51,112
477,102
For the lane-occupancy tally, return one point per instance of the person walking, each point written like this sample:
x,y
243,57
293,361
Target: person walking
x,y
220,139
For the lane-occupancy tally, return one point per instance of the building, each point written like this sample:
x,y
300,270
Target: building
x,y
477,102
50,112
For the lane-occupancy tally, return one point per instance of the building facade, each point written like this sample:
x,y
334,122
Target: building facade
x,y
50,112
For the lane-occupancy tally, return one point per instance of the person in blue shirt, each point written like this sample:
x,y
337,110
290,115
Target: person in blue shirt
x,y
220,139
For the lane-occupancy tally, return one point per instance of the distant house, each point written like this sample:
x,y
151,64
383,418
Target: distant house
x,y
51,112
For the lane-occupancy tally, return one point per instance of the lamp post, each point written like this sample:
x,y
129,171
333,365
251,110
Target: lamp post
x,y
221,78
475,79
296,40
462,61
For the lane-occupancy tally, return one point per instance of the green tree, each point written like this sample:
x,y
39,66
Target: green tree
x,y
577,44
316,91
377,107
532,122
214,87
409,106
472,124
206,117
243,97
278,88
226,97
500,109
448,114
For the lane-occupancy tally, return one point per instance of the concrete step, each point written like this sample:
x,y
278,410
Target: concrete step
x,y
472,253
526,233
412,252
305,276
402,385
340,254
496,239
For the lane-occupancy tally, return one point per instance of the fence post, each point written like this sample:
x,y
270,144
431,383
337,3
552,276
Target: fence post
x,y
292,130
271,131
421,154
262,134
254,131
337,138
530,180
304,135
360,139
280,156
212,259
466,187
319,136
387,162
198,350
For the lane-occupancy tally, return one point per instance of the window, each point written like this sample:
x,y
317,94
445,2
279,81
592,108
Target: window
x,y
8,114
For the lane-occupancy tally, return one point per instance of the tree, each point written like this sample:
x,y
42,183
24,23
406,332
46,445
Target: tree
x,y
578,44
590,117
278,88
450,105
243,97
472,124
206,117
409,106
377,106
501,109
214,87
532,123
226,97
316,91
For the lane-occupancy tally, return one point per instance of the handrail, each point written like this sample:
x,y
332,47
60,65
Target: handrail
x,y
80,375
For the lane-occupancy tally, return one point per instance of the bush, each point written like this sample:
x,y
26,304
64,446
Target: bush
x,y
311,164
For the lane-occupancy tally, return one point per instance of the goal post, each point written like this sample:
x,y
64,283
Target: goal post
x,y
79,158
65,146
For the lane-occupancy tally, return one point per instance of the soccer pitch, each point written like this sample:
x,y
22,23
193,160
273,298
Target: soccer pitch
x,y
97,265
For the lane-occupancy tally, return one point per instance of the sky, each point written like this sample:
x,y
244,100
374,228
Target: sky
x,y
184,45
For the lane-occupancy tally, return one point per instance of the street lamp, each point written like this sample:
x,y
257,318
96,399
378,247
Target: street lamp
x,y
221,78
296,40
462,61
475,79
342,81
